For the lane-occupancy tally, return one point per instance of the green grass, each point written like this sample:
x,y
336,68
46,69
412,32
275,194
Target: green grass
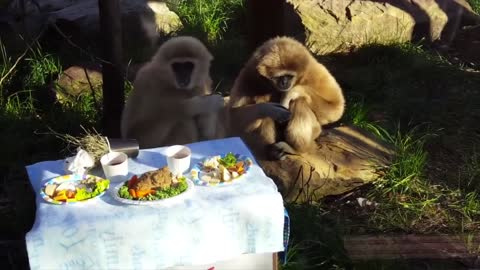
x,y
6,65
207,19
475,4
43,67
316,241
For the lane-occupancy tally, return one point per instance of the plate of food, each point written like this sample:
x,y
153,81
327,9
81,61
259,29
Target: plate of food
x,y
220,169
73,188
153,187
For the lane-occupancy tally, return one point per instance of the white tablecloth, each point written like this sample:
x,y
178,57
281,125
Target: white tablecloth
x,y
214,223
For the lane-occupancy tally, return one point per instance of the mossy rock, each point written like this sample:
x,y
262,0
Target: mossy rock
x,y
76,81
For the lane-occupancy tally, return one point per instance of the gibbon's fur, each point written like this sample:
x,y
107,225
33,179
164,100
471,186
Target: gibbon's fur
x,y
171,101
283,71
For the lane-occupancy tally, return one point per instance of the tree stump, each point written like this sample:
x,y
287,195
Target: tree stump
x,y
346,157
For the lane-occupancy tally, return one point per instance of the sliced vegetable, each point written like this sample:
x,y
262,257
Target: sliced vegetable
x,y
229,160
132,181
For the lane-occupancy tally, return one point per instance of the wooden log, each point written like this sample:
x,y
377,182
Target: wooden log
x,y
391,247
345,158
112,69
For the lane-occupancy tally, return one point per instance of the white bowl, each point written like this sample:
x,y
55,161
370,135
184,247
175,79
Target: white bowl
x,y
178,159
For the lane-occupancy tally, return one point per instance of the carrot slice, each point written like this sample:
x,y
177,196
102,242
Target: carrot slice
x,y
143,193
132,192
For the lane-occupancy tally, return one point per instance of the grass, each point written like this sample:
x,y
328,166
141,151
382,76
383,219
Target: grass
x,y
43,67
475,4
207,19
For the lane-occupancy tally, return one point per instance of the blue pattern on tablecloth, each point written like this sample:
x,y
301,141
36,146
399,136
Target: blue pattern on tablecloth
x,y
213,224
286,236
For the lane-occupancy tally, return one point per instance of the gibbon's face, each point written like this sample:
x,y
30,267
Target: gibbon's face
x,y
183,72
284,81
283,62
282,74
186,61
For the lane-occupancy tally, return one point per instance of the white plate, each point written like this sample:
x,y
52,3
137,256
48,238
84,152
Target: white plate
x,y
166,201
197,171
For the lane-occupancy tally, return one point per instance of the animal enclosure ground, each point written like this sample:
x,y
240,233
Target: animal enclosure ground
x,y
426,104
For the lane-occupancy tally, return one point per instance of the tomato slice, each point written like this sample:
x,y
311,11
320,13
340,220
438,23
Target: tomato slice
x,y
132,181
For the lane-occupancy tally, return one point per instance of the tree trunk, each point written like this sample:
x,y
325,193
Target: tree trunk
x,y
265,20
112,70
345,158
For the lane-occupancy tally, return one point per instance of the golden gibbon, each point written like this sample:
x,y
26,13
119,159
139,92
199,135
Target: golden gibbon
x,y
283,71
171,101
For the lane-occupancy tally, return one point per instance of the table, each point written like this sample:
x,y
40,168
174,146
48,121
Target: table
x,y
213,224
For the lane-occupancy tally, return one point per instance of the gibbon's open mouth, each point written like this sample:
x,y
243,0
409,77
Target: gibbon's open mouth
x,y
183,73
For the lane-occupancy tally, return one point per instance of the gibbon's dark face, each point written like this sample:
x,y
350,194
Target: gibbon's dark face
x,y
283,82
183,73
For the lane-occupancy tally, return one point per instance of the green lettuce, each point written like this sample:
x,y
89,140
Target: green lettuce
x,y
100,186
228,161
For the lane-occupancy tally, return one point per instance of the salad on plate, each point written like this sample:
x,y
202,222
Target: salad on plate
x,y
73,188
151,186
219,170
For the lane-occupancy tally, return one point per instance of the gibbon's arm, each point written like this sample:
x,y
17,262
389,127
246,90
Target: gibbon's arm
x,y
191,107
168,109
242,116
328,105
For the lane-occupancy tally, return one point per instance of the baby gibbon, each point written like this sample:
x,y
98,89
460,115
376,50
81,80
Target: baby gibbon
x,y
283,71
171,101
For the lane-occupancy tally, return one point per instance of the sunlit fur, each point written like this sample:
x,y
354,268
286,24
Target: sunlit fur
x,y
158,112
314,97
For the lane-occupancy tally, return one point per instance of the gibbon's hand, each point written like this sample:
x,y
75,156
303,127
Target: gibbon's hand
x,y
275,111
279,150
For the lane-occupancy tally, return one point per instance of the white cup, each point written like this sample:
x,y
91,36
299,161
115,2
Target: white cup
x,y
115,166
178,159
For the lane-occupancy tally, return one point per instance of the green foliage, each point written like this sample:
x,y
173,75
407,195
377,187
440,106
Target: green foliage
x,y
19,104
316,241
6,65
407,169
409,201
43,67
207,18
475,4
469,171
357,114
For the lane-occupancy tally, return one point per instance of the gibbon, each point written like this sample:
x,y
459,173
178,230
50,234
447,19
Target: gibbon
x,y
171,101
283,71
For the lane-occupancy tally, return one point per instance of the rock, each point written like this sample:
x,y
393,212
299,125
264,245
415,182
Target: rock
x,y
85,12
467,44
166,21
143,21
346,157
79,80
334,26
